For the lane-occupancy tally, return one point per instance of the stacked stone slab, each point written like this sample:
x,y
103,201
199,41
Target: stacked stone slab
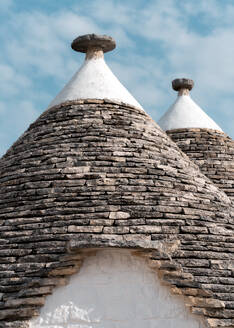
x,y
212,151
99,173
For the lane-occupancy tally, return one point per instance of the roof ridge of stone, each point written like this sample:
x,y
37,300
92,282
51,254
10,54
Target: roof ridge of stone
x,y
94,101
198,129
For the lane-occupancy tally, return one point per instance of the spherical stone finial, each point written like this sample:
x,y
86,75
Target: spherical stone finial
x,y
87,42
179,84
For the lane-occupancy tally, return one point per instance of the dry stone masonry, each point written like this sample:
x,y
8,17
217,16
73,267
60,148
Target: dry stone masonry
x,y
212,151
99,173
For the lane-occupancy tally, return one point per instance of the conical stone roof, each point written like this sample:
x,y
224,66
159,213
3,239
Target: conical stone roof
x,y
211,149
98,173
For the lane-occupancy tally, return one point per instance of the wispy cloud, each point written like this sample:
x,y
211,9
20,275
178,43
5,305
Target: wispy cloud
x,y
5,5
11,82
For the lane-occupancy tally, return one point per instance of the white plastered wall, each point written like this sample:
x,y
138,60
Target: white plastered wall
x,y
185,113
94,80
114,289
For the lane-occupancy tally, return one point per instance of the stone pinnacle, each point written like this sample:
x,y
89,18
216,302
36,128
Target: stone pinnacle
x,y
93,45
183,86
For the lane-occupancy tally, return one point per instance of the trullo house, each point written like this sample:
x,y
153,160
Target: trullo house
x,y
108,222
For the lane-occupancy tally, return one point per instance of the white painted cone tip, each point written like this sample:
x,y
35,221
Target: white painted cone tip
x,y
94,80
185,113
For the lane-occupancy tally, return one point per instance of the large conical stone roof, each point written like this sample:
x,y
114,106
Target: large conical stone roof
x,y
99,173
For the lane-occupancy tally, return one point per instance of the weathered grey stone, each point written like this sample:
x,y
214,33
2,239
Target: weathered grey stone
x,y
90,174
178,84
212,151
84,42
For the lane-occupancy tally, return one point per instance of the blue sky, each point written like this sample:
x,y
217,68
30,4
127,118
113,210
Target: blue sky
x,y
157,41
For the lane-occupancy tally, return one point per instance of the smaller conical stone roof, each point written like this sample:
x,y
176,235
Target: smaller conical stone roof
x,y
201,139
94,79
185,113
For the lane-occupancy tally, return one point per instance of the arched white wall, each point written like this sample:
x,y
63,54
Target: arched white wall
x,y
114,289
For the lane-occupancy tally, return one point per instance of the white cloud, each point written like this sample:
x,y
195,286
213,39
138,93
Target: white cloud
x,y
11,82
2,108
108,11
5,5
17,116
68,25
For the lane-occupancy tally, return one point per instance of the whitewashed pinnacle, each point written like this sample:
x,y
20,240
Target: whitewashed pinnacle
x,y
94,79
184,112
